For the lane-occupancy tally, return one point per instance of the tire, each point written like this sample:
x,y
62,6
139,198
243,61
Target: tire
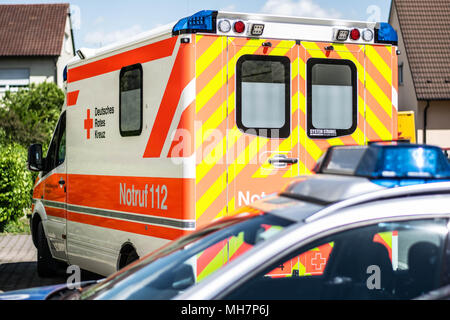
x,y
131,257
46,265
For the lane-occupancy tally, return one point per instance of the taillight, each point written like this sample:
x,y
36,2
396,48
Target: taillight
x,y
355,34
239,26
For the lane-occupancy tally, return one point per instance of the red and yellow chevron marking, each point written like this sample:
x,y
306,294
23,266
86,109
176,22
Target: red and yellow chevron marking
x,y
229,161
312,262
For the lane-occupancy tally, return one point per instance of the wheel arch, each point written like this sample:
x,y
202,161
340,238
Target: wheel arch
x,y
126,249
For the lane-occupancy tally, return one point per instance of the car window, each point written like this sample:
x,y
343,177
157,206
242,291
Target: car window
x,y
57,150
187,263
395,260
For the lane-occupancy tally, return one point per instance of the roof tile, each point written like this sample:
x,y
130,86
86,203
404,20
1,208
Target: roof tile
x,y
32,30
425,27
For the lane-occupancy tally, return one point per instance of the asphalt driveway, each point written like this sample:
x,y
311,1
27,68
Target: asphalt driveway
x,y
18,265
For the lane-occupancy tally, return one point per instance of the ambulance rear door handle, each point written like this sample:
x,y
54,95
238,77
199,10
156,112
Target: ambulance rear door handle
x,y
285,161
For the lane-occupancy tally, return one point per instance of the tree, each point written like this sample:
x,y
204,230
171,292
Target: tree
x,y
30,115
26,117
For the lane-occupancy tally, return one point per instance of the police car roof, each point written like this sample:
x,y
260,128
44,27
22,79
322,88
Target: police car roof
x,y
361,174
307,210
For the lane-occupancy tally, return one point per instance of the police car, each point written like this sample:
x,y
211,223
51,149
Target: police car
x,y
373,223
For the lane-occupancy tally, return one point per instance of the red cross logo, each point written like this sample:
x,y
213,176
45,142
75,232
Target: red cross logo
x,y
88,124
318,261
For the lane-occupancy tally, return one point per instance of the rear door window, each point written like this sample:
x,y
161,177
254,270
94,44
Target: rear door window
x,y
263,95
332,98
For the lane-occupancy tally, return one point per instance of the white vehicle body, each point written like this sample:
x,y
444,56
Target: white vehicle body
x,y
150,144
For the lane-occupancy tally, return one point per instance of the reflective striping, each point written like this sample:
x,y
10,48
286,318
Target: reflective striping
x,y
379,63
151,52
183,72
72,98
152,220
52,204
166,222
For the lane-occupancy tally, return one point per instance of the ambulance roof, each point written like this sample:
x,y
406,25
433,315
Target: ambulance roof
x,y
270,27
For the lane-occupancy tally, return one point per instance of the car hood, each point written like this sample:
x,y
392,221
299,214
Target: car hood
x,y
32,294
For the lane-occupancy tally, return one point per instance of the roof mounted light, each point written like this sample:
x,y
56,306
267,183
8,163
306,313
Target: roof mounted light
x,y
386,34
342,34
388,165
367,35
65,74
257,29
224,26
203,21
239,27
355,34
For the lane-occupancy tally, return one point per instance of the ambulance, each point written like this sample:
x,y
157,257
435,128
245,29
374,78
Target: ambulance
x,y
169,130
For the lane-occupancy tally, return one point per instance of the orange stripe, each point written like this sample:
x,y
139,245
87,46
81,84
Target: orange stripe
x,y
144,54
72,98
378,78
203,44
182,73
210,72
378,110
54,212
371,134
208,255
384,53
179,201
213,210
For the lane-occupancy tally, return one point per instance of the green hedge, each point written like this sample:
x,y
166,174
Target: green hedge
x,y
26,117
15,183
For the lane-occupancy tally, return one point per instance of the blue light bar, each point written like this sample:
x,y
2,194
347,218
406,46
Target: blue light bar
x,y
65,74
404,162
386,34
388,165
203,21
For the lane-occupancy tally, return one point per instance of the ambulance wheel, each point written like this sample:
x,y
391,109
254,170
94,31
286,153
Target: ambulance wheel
x,y
132,257
46,266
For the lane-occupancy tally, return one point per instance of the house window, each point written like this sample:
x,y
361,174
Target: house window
x,y
332,96
400,74
263,95
14,79
130,104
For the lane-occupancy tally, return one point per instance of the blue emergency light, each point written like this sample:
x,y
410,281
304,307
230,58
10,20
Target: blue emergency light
x,y
202,21
388,165
386,34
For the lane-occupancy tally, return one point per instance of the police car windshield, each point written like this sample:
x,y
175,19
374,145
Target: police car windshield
x,y
343,160
189,260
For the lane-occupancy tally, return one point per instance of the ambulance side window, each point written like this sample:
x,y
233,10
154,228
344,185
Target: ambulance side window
x,y
130,104
332,97
57,150
263,95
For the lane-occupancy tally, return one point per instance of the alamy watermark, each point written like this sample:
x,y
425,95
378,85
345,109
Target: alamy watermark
x,y
374,280
74,280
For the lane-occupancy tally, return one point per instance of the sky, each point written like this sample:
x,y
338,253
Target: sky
x,y
100,22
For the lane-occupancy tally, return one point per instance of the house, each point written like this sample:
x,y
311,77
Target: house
x,y
423,28
36,42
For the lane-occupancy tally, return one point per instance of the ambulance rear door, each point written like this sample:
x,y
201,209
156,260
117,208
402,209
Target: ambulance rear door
x,y
333,107
263,118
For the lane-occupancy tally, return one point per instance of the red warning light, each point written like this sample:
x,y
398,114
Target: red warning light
x,y
355,34
239,27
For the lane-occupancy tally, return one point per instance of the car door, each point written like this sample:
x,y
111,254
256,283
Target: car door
x,y
360,267
333,106
262,129
55,190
